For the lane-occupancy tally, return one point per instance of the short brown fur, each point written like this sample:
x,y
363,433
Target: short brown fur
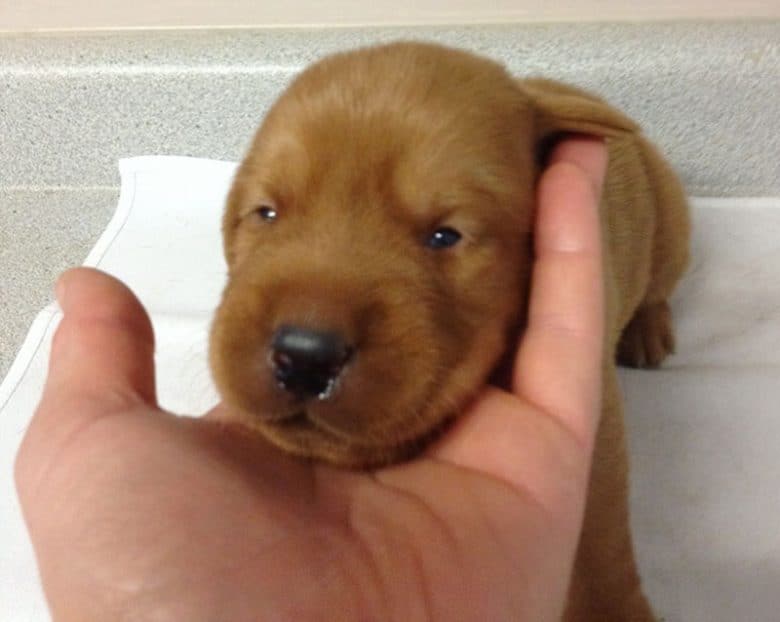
x,y
362,157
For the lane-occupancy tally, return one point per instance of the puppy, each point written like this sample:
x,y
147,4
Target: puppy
x,y
378,236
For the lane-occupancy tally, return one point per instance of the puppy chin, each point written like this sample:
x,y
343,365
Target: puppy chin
x,y
304,437
308,434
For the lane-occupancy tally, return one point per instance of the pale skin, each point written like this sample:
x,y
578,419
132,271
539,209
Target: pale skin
x,y
137,514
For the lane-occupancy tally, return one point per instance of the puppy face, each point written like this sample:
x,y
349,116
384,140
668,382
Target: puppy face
x,y
377,238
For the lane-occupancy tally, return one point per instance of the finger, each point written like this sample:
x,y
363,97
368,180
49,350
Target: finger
x,y
101,362
558,366
586,152
104,345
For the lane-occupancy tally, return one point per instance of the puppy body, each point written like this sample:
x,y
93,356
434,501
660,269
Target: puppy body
x,y
367,157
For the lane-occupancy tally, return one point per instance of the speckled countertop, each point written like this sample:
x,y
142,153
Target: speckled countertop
x,y
72,104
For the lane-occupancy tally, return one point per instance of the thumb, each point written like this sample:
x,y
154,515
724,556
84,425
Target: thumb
x,y
104,346
101,362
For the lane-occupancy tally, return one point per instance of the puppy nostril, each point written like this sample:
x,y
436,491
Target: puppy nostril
x,y
282,362
307,362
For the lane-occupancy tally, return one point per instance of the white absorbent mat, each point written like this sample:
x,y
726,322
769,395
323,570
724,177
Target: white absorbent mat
x,y
705,430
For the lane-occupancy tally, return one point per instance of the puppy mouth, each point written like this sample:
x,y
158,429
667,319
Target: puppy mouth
x,y
304,421
295,421
309,423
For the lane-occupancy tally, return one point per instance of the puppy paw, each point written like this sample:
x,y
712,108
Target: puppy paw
x,y
648,338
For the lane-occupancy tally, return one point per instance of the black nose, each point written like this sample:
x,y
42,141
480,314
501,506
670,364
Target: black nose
x,y
307,362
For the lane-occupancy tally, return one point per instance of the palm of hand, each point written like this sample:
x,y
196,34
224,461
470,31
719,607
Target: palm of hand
x,y
198,519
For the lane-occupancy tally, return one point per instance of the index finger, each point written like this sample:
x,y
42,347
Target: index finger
x,y
558,365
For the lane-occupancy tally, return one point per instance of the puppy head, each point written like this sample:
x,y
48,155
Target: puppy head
x,y
378,239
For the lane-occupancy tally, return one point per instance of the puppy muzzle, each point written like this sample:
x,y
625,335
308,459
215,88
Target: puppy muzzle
x,y
308,363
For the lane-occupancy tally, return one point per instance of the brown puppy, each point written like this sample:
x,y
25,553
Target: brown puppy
x,y
378,237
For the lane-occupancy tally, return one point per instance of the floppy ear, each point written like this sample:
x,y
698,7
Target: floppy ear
x,y
563,109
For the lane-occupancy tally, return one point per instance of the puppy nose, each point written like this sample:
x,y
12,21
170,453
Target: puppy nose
x,y
307,362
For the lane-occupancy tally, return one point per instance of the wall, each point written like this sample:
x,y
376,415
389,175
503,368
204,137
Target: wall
x,y
91,14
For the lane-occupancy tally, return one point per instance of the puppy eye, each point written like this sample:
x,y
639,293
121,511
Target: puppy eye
x,y
266,213
444,237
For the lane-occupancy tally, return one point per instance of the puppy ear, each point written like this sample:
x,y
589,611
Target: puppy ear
x,y
563,109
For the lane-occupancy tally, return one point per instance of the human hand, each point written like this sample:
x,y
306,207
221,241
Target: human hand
x,y
136,514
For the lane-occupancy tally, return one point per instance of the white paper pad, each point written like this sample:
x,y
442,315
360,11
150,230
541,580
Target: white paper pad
x,y
705,430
